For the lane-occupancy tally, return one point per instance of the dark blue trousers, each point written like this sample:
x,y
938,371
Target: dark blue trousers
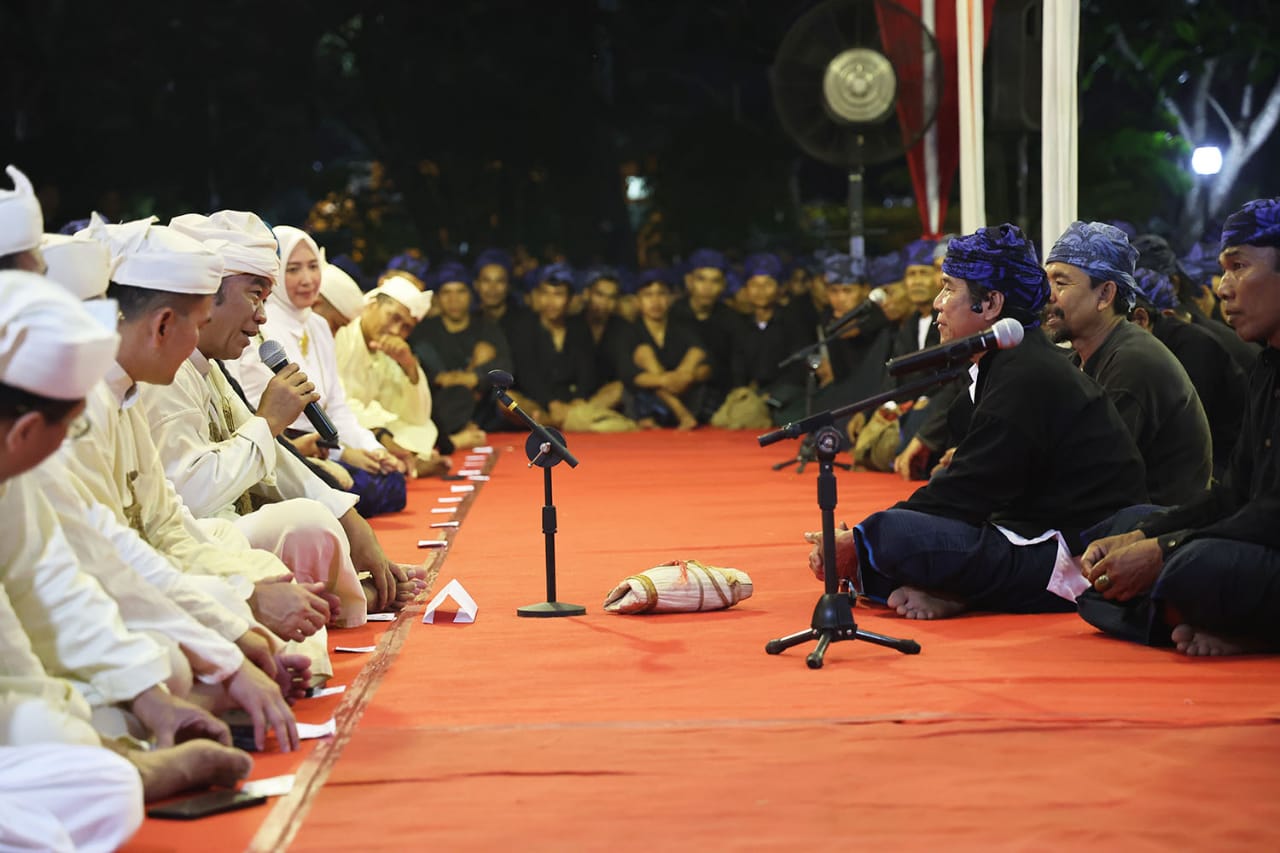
x,y
973,563
1219,585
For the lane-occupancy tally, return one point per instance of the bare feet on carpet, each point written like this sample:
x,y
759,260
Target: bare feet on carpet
x,y
1194,642
411,581
915,603
194,764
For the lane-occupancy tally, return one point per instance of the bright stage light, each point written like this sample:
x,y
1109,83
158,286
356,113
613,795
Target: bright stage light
x,y
1206,160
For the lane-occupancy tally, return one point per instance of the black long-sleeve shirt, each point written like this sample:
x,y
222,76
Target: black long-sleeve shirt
x,y
756,351
1219,382
1044,450
1245,506
1156,400
548,374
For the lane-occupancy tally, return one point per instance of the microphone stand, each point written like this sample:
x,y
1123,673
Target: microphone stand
x,y
833,620
812,357
546,449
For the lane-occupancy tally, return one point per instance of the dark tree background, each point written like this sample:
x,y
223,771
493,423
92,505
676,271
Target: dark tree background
x,y
454,126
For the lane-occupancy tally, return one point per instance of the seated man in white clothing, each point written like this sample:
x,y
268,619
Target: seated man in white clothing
x,y
163,283
385,385
228,462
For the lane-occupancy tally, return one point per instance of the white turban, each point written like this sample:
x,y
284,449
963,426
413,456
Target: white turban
x,y
157,258
49,344
402,290
244,240
21,219
341,291
82,266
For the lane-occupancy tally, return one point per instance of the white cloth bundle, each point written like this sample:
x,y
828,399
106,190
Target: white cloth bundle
x,y
681,586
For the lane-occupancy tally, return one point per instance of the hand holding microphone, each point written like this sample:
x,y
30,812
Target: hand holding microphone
x,y
285,397
273,356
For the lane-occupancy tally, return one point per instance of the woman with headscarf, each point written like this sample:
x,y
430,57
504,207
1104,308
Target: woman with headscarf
x,y
378,477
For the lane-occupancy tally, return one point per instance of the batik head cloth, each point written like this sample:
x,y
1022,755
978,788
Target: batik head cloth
x,y
1255,224
709,258
413,263
886,269
918,253
1001,258
1156,288
837,270
762,263
558,273
450,272
1103,251
493,257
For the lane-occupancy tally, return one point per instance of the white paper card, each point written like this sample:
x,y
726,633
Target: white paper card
x,y
274,786
444,510
466,604
381,617
311,731
433,543
479,478
446,524
456,500
359,650
485,450
468,472
464,488
327,691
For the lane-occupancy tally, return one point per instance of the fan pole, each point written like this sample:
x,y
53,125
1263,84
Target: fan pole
x,y
857,229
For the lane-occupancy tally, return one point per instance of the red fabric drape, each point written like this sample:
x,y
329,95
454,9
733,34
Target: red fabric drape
x,y
904,50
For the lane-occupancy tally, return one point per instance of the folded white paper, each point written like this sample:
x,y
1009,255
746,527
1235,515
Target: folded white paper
x,y
327,691
485,450
433,543
354,649
469,472
449,500
273,786
381,617
311,731
466,604
446,523
464,488
479,478
444,510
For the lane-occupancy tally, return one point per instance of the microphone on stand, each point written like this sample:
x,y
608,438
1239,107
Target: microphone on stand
x,y
875,299
1004,334
273,356
501,381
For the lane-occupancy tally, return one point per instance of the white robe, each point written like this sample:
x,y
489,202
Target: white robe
x,y
218,454
116,465
381,395
74,627
308,343
61,798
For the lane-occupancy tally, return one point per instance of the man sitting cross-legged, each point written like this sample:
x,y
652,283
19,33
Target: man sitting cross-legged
x,y
1205,575
1044,456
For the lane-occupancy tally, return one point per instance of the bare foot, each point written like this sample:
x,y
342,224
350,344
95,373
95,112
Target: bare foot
x,y
1194,642
647,423
687,423
917,604
194,764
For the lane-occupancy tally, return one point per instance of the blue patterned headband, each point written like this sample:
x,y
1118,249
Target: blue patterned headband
x,y
1001,258
1255,224
1104,252
1156,288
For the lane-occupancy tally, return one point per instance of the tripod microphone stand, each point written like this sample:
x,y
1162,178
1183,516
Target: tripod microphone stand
x,y
812,355
546,449
833,620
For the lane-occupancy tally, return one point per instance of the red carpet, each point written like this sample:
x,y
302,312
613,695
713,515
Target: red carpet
x,y
678,732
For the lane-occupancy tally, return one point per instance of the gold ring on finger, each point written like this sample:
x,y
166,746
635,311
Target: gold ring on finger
x,y
1102,582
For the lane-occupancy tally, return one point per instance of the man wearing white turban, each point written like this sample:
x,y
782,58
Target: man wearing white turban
x,y
225,460
21,225
164,284
59,789
386,386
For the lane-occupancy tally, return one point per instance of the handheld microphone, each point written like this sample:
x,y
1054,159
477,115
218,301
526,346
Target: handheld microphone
x,y
875,299
1004,334
273,356
501,381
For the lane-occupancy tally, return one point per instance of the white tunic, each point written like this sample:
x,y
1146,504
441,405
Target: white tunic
x,y
381,395
73,626
306,339
61,798
219,455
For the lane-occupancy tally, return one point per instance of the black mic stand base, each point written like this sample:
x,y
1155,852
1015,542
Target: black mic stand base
x,y
833,620
550,609
833,623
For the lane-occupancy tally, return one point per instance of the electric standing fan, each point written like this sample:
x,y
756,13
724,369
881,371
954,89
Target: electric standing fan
x,y
843,73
